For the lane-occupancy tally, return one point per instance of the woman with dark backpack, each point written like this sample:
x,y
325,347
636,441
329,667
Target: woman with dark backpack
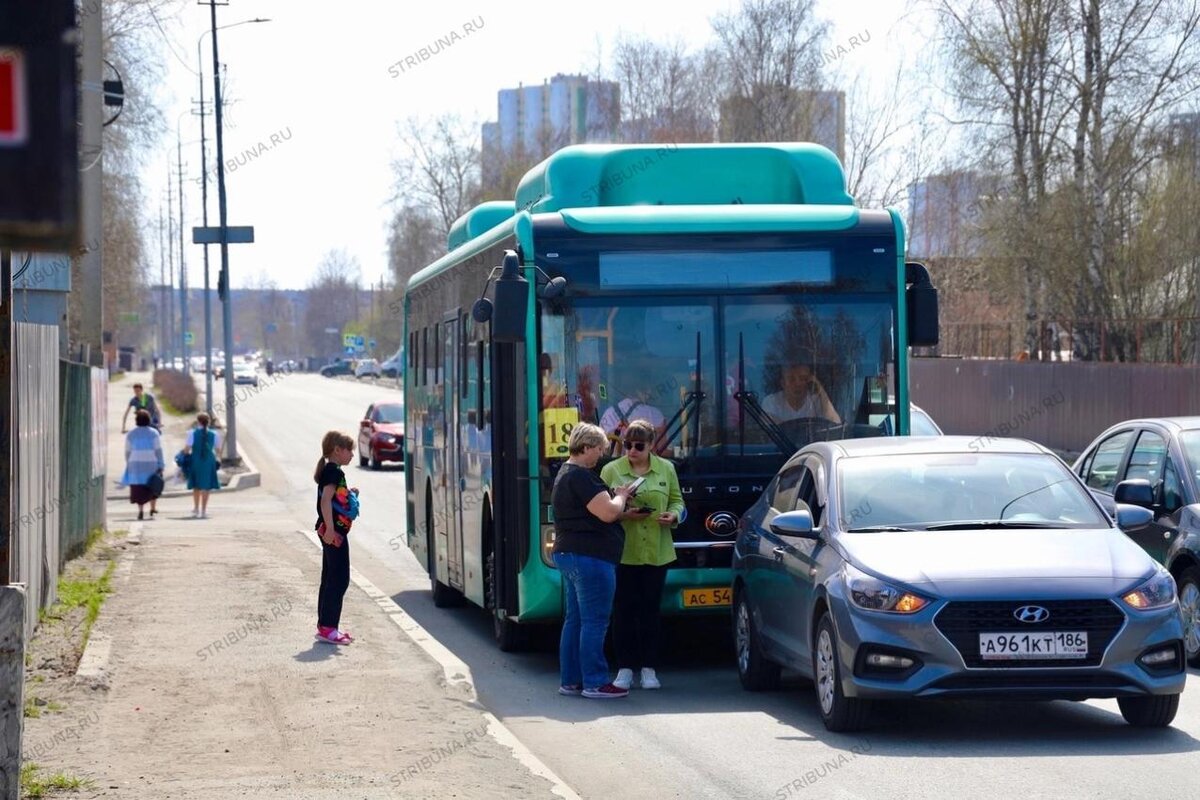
x,y
202,446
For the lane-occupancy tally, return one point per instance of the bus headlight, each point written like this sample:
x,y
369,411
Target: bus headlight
x,y
548,545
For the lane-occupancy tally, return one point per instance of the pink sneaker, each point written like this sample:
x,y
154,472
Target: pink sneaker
x,y
606,692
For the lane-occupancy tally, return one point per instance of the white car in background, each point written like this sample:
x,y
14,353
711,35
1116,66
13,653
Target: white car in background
x,y
245,373
367,367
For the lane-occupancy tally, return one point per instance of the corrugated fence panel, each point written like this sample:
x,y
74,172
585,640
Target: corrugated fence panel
x,y
36,464
81,488
1062,405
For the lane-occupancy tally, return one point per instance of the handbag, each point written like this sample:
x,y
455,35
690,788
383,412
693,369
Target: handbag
x,y
183,460
156,484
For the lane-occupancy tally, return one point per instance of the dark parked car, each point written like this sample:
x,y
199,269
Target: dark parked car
x,y
890,568
1162,458
381,434
342,366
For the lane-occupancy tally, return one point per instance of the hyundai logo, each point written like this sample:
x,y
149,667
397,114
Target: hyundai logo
x,y
721,523
1031,614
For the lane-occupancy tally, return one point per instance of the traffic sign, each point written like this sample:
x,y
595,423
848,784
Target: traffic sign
x,y
374,344
188,338
331,330
131,317
237,234
272,327
348,340
14,128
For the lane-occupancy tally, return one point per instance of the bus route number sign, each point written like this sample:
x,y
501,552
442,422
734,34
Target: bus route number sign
x,y
557,424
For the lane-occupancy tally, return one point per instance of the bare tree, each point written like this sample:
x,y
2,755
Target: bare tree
x,y
332,300
771,62
440,168
664,95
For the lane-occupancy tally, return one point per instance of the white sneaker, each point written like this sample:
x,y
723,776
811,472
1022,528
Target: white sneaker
x,y
624,679
649,679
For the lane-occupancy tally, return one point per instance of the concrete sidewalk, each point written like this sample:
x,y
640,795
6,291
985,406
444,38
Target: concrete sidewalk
x,y
202,678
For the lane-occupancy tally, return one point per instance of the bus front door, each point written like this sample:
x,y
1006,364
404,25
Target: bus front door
x,y
453,450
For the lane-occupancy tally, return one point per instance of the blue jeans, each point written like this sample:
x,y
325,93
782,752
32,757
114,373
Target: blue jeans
x,y
590,584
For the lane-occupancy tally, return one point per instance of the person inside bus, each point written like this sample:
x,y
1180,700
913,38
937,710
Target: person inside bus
x,y
617,417
800,396
652,512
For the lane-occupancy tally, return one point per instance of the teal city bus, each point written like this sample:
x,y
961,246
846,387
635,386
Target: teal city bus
x,y
682,284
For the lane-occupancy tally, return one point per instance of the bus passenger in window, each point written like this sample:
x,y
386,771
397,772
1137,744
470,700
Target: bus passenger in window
x,y
618,417
801,395
652,512
554,389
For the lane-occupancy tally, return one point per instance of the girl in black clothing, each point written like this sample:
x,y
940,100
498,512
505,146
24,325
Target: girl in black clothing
x,y
334,519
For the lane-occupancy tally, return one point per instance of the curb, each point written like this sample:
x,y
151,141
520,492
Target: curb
x,y
93,663
457,674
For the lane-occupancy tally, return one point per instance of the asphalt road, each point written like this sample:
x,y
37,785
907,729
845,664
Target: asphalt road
x,y
702,735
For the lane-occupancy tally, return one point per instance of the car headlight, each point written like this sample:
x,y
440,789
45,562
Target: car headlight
x,y
1157,592
867,591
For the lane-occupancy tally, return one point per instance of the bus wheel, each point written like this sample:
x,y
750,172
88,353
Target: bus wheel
x,y
510,636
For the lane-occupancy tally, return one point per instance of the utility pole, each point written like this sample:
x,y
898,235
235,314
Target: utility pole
x,y
208,369
163,328
183,285
89,282
171,265
231,452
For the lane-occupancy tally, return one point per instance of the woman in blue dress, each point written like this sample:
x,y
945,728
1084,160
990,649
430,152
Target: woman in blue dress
x,y
202,445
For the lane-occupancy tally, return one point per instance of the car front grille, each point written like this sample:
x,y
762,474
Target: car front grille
x,y
962,621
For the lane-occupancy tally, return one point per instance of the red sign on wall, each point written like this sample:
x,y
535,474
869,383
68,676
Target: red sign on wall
x,y
13,117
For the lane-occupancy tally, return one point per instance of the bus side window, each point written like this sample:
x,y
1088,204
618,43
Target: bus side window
x,y
424,365
479,421
437,354
464,390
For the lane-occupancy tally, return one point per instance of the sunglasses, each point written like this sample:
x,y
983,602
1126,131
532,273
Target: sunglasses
x,y
639,446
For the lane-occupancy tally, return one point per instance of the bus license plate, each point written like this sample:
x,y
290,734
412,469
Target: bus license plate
x,y
707,598
1032,646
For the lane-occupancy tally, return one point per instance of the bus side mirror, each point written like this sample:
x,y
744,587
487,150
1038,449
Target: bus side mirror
x,y
512,302
921,299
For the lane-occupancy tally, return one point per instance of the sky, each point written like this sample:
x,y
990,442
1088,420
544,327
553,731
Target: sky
x,y
312,97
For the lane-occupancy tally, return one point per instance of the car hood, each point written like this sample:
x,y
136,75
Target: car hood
x,y
1002,563
394,428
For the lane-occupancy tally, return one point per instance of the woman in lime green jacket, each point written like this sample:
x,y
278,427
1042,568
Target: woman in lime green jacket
x,y
649,516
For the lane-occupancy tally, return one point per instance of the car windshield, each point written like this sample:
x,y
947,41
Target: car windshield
x,y
389,413
960,490
1191,448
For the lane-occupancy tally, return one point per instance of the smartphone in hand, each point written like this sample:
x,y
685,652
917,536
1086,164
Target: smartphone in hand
x,y
633,487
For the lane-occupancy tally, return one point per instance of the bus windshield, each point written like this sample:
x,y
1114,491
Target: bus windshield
x,y
749,374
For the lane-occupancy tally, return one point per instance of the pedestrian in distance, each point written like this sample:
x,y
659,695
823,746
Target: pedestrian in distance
x,y
337,508
656,508
143,463
587,546
142,400
202,446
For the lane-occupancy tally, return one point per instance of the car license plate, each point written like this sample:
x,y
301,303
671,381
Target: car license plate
x,y
1033,646
707,598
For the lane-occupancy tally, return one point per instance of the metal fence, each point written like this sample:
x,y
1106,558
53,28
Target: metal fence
x,y
1148,341
1062,405
35,476
82,500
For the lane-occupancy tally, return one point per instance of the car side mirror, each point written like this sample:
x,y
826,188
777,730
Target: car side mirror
x,y
798,524
1137,492
1133,518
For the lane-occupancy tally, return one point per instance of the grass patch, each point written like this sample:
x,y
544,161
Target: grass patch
x,y
34,786
87,593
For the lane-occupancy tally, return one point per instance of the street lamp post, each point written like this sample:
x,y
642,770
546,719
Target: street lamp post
x,y
183,285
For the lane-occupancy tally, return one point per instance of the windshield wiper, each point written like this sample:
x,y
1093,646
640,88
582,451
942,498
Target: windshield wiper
x,y
749,404
880,529
974,525
688,412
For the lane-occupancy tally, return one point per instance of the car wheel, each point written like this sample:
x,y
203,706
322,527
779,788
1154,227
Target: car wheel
x,y
362,461
1155,711
755,671
376,464
1189,603
840,714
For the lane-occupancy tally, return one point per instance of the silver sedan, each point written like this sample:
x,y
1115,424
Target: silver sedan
x,y
933,567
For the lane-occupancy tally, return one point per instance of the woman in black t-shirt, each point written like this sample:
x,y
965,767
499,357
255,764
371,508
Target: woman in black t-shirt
x,y
333,526
587,546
